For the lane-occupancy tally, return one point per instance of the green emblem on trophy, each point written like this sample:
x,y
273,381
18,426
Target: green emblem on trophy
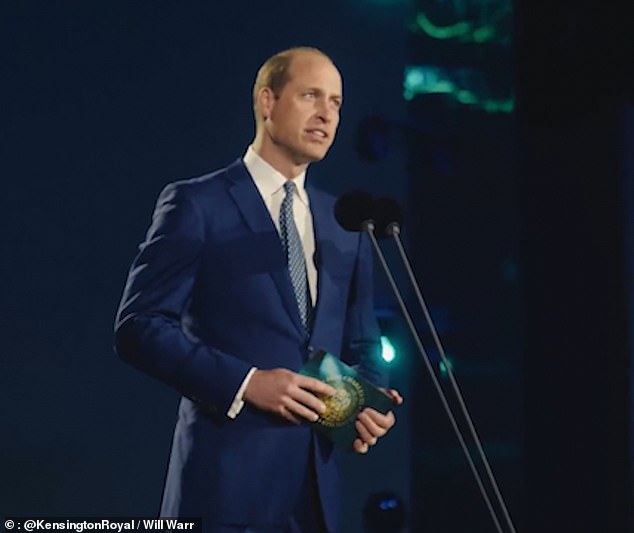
x,y
342,408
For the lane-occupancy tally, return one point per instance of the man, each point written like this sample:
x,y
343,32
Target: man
x,y
242,274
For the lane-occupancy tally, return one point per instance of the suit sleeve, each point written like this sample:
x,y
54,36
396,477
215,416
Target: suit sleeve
x,y
148,329
362,337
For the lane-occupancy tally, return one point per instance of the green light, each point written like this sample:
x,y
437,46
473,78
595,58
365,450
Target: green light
x,y
436,80
387,350
465,30
466,97
460,29
443,367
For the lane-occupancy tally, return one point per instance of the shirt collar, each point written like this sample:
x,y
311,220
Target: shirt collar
x,y
268,180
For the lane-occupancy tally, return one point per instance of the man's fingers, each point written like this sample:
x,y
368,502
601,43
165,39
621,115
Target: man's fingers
x,y
315,386
359,446
377,423
288,415
364,433
288,394
395,395
374,429
299,409
371,425
311,401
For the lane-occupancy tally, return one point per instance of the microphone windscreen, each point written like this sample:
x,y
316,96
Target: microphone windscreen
x,y
353,209
386,212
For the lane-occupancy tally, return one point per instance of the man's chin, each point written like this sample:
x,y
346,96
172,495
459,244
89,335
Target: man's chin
x,y
311,155
316,155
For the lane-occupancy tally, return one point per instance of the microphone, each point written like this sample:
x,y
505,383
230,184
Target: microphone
x,y
354,210
388,217
359,211
382,217
393,228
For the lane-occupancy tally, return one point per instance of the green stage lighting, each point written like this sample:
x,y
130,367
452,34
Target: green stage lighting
x,y
443,368
388,351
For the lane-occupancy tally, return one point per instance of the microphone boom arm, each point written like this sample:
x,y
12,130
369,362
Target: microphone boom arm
x,y
394,230
368,227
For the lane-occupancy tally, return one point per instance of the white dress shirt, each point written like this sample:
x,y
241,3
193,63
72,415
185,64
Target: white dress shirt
x,y
270,184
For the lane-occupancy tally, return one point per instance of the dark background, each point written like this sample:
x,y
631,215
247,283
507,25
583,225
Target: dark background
x,y
519,226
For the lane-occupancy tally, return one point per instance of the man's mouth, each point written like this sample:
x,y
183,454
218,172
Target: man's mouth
x,y
317,133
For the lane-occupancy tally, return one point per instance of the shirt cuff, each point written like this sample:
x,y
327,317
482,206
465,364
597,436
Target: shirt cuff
x,y
238,401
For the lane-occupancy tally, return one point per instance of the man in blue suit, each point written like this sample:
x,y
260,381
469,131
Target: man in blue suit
x,y
213,307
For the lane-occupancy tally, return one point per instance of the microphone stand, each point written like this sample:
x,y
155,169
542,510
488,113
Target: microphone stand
x,y
394,229
368,227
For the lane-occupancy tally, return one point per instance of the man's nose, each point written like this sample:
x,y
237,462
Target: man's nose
x,y
325,111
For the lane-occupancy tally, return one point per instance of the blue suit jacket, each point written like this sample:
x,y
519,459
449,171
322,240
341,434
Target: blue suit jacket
x,y
208,297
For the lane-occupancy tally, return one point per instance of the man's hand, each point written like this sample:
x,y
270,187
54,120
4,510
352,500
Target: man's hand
x,y
371,425
288,394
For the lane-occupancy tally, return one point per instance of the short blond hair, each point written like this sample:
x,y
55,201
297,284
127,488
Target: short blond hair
x,y
274,72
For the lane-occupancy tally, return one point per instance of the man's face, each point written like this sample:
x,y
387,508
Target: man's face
x,y
303,118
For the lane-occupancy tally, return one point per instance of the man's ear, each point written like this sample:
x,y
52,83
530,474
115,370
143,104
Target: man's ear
x,y
266,102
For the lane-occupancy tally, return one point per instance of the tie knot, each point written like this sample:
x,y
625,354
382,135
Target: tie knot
x,y
289,187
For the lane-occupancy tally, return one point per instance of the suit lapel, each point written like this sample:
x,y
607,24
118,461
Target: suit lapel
x,y
254,211
320,211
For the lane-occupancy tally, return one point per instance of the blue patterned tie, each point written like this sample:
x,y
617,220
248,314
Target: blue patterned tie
x,y
292,245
